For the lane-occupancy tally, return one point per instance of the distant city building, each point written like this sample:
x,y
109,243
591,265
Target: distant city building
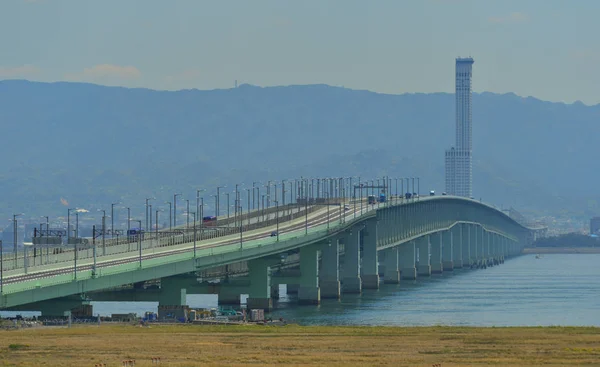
x,y
595,225
458,162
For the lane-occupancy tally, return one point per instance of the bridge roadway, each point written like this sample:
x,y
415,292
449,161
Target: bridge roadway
x,y
412,238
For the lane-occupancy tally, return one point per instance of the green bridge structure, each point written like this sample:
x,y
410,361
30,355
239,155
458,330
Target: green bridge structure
x,y
319,249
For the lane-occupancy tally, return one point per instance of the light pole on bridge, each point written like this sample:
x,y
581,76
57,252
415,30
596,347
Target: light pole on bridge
x,y
147,211
15,238
112,218
139,235
175,209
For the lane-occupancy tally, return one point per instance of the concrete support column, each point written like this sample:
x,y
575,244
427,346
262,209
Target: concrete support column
x,y
259,295
474,245
171,292
423,248
463,232
329,276
435,241
447,251
495,251
370,263
407,254
309,293
482,245
351,282
457,247
392,272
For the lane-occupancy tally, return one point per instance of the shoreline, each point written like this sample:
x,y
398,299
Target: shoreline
x,y
561,250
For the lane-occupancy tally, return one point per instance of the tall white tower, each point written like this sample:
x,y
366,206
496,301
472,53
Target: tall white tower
x,y
459,166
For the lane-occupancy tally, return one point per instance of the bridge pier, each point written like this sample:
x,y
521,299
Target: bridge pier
x,y
370,263
309,293
259,295
171,292
457,247
475,245
447,250
462,231
392,274
435,241
351,283
424,267
485,240
407,254
496,248
329,275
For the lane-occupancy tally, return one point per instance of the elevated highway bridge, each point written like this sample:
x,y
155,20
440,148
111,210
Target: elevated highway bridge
x,y
321,251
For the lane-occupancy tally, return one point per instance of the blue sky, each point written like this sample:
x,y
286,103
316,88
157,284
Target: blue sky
x,y
543,48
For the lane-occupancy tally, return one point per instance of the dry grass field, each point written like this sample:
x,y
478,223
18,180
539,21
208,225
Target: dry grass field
x,y
188,345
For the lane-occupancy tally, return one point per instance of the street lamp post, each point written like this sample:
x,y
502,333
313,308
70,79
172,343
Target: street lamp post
x,y
187,216
129,220
306,211
254,200
156,229
227,194
15,239
248,207
194,213
217,201
263,207
148,213
241,232
170,218
198,191
112,219
175,209
201,218
76,225
149,229
139,235
103,231
277,217
68,226
75,245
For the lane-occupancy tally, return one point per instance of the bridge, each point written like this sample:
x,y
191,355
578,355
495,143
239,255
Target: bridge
x,y
320,248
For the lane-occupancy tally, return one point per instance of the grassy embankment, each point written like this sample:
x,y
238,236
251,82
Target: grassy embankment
x,y
186,345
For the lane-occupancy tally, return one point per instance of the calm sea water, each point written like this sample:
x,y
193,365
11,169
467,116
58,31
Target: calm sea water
x,y
561,289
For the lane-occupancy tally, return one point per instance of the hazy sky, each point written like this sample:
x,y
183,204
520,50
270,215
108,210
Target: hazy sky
x,y
545,48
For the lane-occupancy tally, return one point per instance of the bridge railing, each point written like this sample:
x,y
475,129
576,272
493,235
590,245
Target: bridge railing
x,y
49,256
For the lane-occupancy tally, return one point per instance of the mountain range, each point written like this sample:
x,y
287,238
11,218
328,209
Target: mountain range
x,y
92,145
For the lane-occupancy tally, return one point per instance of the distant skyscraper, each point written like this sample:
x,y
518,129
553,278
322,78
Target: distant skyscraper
x,y
459,166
